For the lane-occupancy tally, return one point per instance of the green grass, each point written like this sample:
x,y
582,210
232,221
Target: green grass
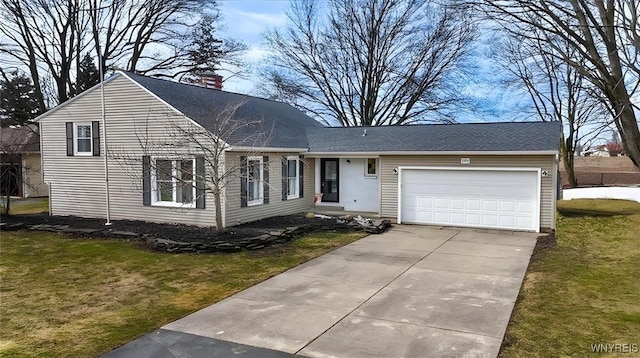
x,y
586,290
29,206
78,297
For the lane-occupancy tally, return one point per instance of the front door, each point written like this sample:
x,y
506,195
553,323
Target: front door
x,y
329,180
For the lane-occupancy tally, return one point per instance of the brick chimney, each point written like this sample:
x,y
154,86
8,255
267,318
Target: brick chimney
x,y
210,80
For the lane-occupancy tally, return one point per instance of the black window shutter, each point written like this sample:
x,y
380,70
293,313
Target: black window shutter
x,y
95,134
243,181
285,164
69,138
146,180
200,180
301,176
265,178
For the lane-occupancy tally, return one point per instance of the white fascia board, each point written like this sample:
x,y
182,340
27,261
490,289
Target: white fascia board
x,y
266,149
71,100
377,154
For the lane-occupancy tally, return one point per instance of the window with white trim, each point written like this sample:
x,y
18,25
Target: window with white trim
x,y
293,177
255,189
173,182
82,139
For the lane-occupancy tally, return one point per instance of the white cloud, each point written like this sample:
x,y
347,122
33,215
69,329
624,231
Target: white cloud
x,y
277,19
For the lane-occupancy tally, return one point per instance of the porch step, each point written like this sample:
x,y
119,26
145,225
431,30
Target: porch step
x,y
328,208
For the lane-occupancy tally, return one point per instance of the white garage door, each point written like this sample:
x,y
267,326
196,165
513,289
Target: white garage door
x,y
476,198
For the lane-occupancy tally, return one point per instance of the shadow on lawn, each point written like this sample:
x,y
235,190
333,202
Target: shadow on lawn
x,y
598,207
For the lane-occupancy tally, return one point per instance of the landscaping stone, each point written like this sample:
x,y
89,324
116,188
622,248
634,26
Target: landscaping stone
x,y
125,234
190,239
13,226
76,230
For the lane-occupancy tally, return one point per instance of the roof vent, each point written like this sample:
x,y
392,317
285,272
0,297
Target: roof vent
x,y
365,132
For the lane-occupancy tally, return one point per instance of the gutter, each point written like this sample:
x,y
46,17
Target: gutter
x,y
313,154
266,149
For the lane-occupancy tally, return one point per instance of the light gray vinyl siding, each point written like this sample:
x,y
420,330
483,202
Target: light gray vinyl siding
x,y
137,124
389,181
235,214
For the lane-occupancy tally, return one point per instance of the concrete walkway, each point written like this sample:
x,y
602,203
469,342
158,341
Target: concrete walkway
x,y
414,291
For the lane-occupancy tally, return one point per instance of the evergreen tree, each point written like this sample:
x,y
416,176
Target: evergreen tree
x,y
88,75
206,50
18,101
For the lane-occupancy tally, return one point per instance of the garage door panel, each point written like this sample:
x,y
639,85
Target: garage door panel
x,y
490,205
525,207
473,204
457,204
426,216
481,198
441,203
441,217
490,220
507,205
524,221
457,218
473,219
507,221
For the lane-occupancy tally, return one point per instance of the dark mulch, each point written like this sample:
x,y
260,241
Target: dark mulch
x,y
179,232
545,242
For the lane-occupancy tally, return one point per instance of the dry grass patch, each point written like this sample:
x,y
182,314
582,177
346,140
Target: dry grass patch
x,y
78,298
29,206
585,291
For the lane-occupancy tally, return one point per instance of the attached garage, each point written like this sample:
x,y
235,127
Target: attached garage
x,y
496,198
500,175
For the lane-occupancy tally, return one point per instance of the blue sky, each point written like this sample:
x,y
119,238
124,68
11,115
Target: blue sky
x,y
247,20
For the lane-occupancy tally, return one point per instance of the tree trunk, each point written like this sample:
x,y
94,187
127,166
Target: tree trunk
x,y
628,127
218,205
568,161
7,203
568,154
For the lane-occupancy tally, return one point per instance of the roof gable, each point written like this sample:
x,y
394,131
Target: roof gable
x,y
283,125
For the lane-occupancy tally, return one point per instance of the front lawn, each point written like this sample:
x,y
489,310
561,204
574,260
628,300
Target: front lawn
x,y
78,298
584,293
29,206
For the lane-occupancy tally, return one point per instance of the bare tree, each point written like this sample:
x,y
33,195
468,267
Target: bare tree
x,y
42,36
558,92
369,62
602,45
152,37
145,36
208,145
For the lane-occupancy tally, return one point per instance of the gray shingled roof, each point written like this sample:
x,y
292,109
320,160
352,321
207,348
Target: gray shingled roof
x,y
466,137
290,128
285,126
20,139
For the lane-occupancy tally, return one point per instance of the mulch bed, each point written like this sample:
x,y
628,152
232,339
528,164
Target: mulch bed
x,y
183,238
545,242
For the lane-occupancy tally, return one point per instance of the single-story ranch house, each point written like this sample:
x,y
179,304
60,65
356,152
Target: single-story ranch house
x,y
148,153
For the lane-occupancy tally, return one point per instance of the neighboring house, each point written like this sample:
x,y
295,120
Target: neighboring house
x,y
20,164
493,175
599,151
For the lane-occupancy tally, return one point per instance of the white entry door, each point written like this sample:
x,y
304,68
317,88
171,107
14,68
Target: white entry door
x,y
495,198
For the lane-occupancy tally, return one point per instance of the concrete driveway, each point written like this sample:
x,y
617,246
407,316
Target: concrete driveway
x,y
414,291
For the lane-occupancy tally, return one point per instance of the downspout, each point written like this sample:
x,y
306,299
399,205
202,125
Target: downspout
x,y
104,140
